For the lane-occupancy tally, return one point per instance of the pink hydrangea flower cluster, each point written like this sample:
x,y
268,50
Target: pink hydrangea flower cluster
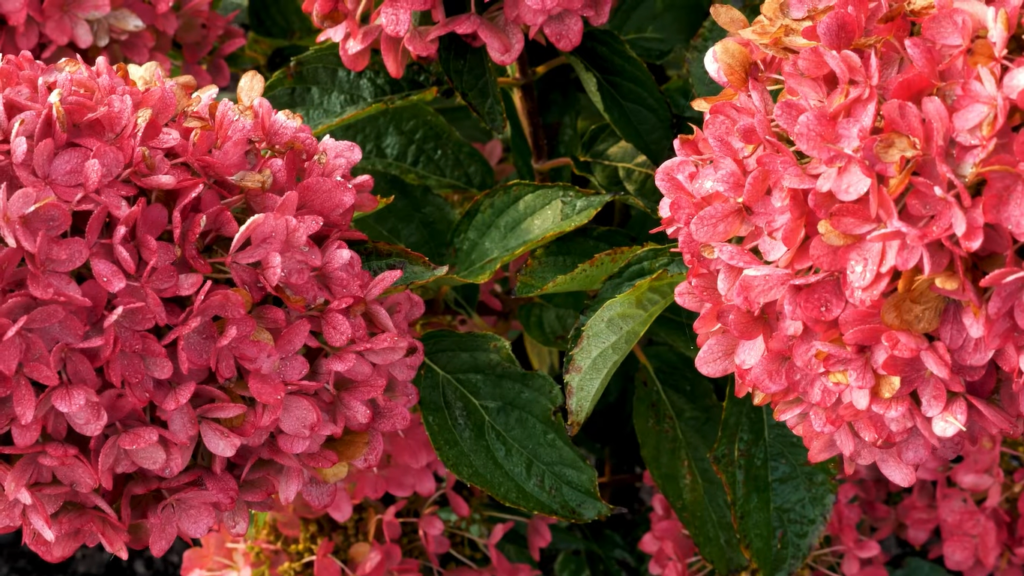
x,y
668,543
966,514
852,217
409,468
185,335
358,27
124,31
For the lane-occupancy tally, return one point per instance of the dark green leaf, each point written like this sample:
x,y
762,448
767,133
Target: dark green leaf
x,y
782,502
676,416
675,328
318,86
380,257
581,260
654,27
417,218
522,155
549,320
602,341
620,85
918,567
414,142
282,19
572,563
643,264
469,71
619,167
513,219
497,427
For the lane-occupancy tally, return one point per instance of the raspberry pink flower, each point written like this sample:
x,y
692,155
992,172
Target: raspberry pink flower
x,y
849,216
390,28
185,334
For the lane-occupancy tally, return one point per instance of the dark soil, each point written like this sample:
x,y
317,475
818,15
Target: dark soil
x,y
17,560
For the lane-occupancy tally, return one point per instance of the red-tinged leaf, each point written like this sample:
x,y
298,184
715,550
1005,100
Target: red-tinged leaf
x,y
718,222
336,329
10,354
292,338
895,469
67,254
219,439
838,29
290,481
194,518
139,437
90,420
69,398
150,457
221,410
717,357
759,285
952,420
24,399
299,416
68,168
163,529
77,474
932,393
324,564
44,316
266,389
108,275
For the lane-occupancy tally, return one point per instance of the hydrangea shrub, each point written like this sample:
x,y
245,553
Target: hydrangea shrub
x,y
473,316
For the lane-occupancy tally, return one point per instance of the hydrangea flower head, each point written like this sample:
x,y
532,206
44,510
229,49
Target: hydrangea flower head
x,y
358,28
852,213
185,335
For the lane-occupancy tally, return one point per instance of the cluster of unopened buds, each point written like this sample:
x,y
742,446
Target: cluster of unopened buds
x,y
124,31
429,524
185,334
852,214
401,29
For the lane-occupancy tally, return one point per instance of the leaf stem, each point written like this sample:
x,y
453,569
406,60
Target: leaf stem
x,y
552,164
529,114
548,66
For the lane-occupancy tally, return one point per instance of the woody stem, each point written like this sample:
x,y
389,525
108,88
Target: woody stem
x,y
529,114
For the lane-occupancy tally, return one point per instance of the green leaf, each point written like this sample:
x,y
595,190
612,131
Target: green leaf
x,y
380,257
652,28
469,71
549,320
676,416
644,264
675,328
782,502
522,155
414,142
621,87
582,260
497,427
318,86
918,567
572,563
513,219
417,218
281,19
603,340
618,166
